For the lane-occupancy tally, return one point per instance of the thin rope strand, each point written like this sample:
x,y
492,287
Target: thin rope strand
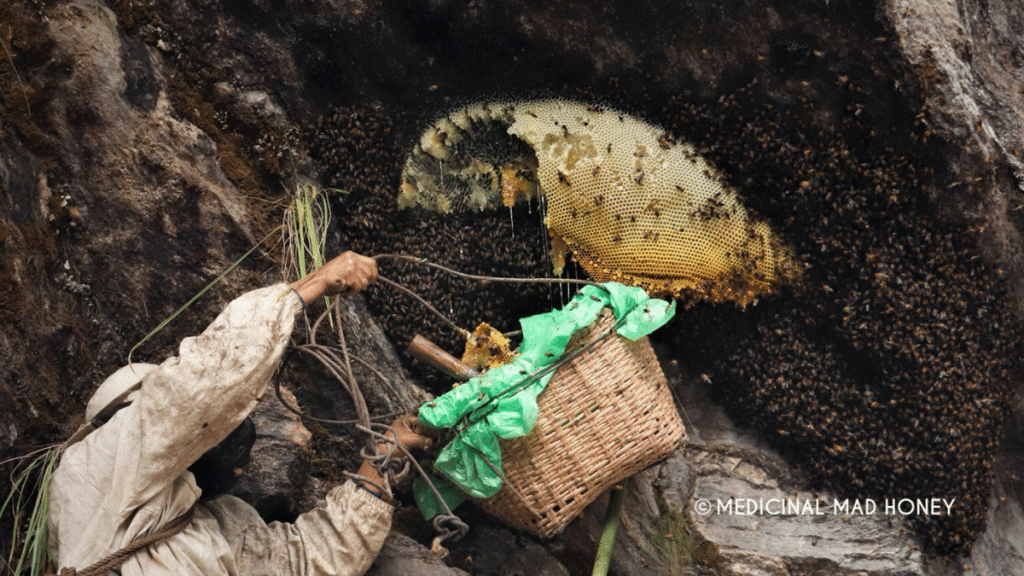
x,y
462,331
483,279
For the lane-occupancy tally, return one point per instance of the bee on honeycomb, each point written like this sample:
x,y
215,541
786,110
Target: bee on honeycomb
x,y
629,203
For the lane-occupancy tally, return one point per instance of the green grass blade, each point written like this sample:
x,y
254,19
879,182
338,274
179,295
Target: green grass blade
x,y
307,223
300,245
197,296
325,222
40,531
15,489
29,541
611,525
309,220
16,497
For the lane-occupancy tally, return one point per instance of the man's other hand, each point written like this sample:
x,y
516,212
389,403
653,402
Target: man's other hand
x,y
410,433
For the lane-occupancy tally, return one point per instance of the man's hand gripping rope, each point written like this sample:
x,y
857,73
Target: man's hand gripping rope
x,y
392,463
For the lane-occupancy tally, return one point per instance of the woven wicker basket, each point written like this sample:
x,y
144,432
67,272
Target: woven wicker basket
x,y
604,416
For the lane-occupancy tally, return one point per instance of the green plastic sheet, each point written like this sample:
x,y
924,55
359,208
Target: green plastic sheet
x,y
502,403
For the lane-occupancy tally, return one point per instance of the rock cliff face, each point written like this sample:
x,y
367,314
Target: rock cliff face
x,y
147,145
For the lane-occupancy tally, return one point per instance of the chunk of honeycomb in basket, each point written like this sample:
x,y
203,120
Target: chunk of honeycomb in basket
x,y
487,348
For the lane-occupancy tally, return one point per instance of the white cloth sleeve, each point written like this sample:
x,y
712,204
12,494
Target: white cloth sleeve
x,y
192,401
341,537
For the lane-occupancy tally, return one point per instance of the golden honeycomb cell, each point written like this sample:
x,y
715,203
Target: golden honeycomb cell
x,y
630,205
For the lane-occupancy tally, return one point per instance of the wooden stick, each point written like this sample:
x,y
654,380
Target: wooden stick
x,y
426,351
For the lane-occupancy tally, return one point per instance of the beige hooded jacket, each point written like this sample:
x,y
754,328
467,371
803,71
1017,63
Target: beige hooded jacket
x,y
129,479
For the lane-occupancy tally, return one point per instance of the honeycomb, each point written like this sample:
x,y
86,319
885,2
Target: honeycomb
x,y
628,202
487,348
464,162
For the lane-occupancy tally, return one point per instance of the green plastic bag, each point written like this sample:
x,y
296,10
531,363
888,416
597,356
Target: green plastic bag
x,y
503,402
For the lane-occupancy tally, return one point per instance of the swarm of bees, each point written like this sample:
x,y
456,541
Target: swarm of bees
x,y
360,153
888,372
885,372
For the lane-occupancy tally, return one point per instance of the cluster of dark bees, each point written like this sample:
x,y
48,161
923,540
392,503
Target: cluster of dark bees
x,y
885,373
489,243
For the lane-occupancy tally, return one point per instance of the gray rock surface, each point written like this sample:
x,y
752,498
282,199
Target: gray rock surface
x,y
756,520
276,477
725,465
130,222
967,59
403,555
498,551
384,384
